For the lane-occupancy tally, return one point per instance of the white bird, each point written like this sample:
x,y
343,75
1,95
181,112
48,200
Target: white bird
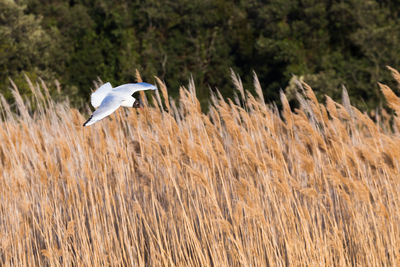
x,y
109,99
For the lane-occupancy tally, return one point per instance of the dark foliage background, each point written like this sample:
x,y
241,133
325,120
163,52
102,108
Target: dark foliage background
x,y
327,43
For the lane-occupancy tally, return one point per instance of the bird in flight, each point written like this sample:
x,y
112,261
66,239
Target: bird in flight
x,y
109,99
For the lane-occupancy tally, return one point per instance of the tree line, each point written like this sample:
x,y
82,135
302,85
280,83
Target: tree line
x,y
327,43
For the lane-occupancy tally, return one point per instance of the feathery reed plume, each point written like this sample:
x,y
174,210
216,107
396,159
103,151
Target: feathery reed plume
x,y
142,94
395,74
258,88
238,84
164,92
243,185
392,100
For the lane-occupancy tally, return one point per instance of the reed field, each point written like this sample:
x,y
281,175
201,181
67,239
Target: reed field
x,y
245,184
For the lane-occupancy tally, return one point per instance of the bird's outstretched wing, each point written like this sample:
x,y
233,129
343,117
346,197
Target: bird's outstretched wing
x,y
131,88
110,104
98,96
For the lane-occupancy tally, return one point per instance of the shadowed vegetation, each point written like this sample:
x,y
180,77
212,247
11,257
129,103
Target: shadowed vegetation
x,y
326,43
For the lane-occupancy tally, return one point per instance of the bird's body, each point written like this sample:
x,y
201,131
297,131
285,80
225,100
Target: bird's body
x,y
107,99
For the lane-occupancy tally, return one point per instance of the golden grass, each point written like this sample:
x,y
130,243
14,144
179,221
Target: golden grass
x,y
170,186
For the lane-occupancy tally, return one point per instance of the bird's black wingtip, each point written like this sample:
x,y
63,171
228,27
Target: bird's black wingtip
x,y
86,122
